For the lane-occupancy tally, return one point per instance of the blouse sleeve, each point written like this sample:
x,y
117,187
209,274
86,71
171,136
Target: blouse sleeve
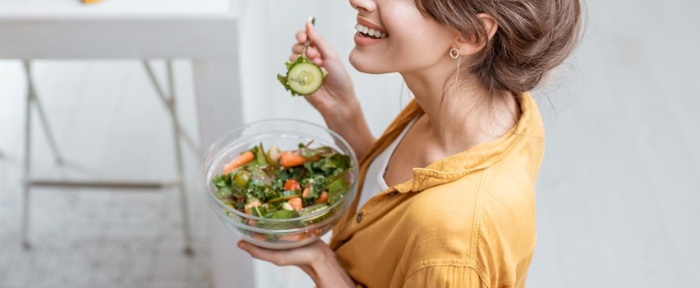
x,y
445,276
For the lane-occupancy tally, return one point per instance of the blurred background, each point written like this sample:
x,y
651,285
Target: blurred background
x,y
617,195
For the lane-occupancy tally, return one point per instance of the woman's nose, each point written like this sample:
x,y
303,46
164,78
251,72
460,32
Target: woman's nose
x,y
364,5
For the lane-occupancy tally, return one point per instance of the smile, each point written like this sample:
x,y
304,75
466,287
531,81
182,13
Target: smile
x,y
369,32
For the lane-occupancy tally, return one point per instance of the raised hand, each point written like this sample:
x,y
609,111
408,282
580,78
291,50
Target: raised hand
x,y
336,99
337,89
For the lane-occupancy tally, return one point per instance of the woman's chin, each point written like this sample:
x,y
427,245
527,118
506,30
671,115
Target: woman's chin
x,y
365,64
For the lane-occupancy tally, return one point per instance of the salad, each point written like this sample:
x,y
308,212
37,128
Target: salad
x,y
303,183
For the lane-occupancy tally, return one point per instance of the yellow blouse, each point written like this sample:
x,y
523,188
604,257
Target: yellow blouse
x,y
464,221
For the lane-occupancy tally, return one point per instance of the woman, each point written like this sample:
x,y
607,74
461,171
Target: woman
x,y
447,192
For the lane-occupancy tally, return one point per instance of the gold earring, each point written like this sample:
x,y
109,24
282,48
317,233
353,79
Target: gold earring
x,y
455,54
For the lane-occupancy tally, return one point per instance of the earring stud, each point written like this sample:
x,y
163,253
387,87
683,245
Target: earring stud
x,y
454,53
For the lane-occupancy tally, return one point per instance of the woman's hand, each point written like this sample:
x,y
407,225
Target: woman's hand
x,y
337,90
316,259
335,100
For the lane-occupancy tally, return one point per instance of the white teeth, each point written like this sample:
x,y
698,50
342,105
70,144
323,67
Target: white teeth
x,y
369,31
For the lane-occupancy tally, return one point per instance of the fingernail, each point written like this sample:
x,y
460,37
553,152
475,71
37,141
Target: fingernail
x,y
242,246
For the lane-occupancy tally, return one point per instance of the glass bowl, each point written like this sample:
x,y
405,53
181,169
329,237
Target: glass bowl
x,y
286,134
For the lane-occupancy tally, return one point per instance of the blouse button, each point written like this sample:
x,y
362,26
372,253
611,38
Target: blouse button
x,y
359,217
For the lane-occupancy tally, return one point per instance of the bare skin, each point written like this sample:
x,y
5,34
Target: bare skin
x,y
316,259
428,141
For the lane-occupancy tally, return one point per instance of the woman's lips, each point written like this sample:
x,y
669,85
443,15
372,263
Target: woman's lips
x,y
362,40
366,36
370,32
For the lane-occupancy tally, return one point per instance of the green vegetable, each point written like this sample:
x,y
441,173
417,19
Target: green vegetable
x,y
260,156
315,209
259,211
284,196
336,188
284,214
303,77
242,178
223,193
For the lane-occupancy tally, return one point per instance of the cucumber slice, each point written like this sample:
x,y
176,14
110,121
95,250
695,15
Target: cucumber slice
x,y
303,77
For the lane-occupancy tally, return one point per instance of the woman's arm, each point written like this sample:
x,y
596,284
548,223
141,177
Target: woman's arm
x,y
336,99
316,259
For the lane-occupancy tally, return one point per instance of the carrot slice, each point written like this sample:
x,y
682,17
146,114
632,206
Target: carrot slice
x,y
289,159
323,198
296,203
239,161
292,184
305,193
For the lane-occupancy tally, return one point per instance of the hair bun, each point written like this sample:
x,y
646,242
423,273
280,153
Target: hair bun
x,y
533,37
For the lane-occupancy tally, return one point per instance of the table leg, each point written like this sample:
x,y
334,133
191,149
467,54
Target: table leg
x,y
219,110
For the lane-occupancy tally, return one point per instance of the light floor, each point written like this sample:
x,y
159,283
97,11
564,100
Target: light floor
x,y
109,124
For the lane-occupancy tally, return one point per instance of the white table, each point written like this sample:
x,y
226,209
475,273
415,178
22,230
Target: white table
x,y
202,30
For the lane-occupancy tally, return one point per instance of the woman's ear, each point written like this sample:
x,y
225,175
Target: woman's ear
x,y
490,25
472,44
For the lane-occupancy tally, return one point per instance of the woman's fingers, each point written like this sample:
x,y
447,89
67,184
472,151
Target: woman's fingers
x,y
316,259
264,254
297,256
311,52
318,41
317,51
301,36
299,48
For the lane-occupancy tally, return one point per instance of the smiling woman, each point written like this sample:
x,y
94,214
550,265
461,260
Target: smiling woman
x,y
446,194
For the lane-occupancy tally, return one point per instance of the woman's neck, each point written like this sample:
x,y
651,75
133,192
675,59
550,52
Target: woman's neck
x,y
458,118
